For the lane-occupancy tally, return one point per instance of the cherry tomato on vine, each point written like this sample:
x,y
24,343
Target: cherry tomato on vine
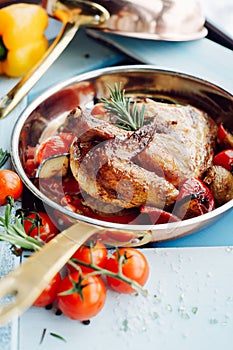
x,y
96,252
135,266
46,229
86,299
56,144
10,185
224,159
49,293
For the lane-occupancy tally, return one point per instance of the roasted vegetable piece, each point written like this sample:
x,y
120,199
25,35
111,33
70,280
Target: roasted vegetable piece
x,y
22,39
220,182
224,137
54,166
55,145
194,199
158,216
224,159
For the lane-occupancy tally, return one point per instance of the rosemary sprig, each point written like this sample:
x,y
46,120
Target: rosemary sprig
x,y
13,231
127,115
4,155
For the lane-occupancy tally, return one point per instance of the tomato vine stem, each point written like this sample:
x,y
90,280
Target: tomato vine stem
x,y
101,271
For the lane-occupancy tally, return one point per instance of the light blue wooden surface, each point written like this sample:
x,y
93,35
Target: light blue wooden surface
x,y
82,54
202,58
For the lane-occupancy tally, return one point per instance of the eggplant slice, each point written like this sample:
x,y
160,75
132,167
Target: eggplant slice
x,y
54,166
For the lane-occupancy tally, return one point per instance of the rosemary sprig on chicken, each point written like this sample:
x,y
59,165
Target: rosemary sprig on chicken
x,y
125,112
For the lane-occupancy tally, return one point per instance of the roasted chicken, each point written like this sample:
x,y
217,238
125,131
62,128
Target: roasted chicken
x,y
106,171
132,168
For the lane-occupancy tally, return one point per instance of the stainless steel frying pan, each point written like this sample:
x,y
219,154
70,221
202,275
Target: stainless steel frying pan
x,y
24,283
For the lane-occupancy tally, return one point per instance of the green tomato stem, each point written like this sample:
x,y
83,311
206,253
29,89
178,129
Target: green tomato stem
x,y
101,271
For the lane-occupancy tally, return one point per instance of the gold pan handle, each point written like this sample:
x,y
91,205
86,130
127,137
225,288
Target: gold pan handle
x,y
86,13
27,282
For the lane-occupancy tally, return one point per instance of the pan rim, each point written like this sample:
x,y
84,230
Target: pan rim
x,y
84,76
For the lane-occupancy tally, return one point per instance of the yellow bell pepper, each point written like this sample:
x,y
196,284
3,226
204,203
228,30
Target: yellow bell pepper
x,y
22,39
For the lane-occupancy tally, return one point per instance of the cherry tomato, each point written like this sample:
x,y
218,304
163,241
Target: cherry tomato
x,y
57,144
224,137
225,159
97,253
158,216
46,230
222,133
30,152
194,199
86,301
10,185
135,267
49,293
30,167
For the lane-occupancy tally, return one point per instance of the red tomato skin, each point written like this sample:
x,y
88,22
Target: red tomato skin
x,y
30,152
136,268
10,185
49,293
55,145
222,133
94,297
158,216
194,199
196,187
224,159
47,230
30,167
99,256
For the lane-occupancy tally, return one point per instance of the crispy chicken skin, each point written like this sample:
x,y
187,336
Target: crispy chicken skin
x,y
106,172
128,168
184,142
88,127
